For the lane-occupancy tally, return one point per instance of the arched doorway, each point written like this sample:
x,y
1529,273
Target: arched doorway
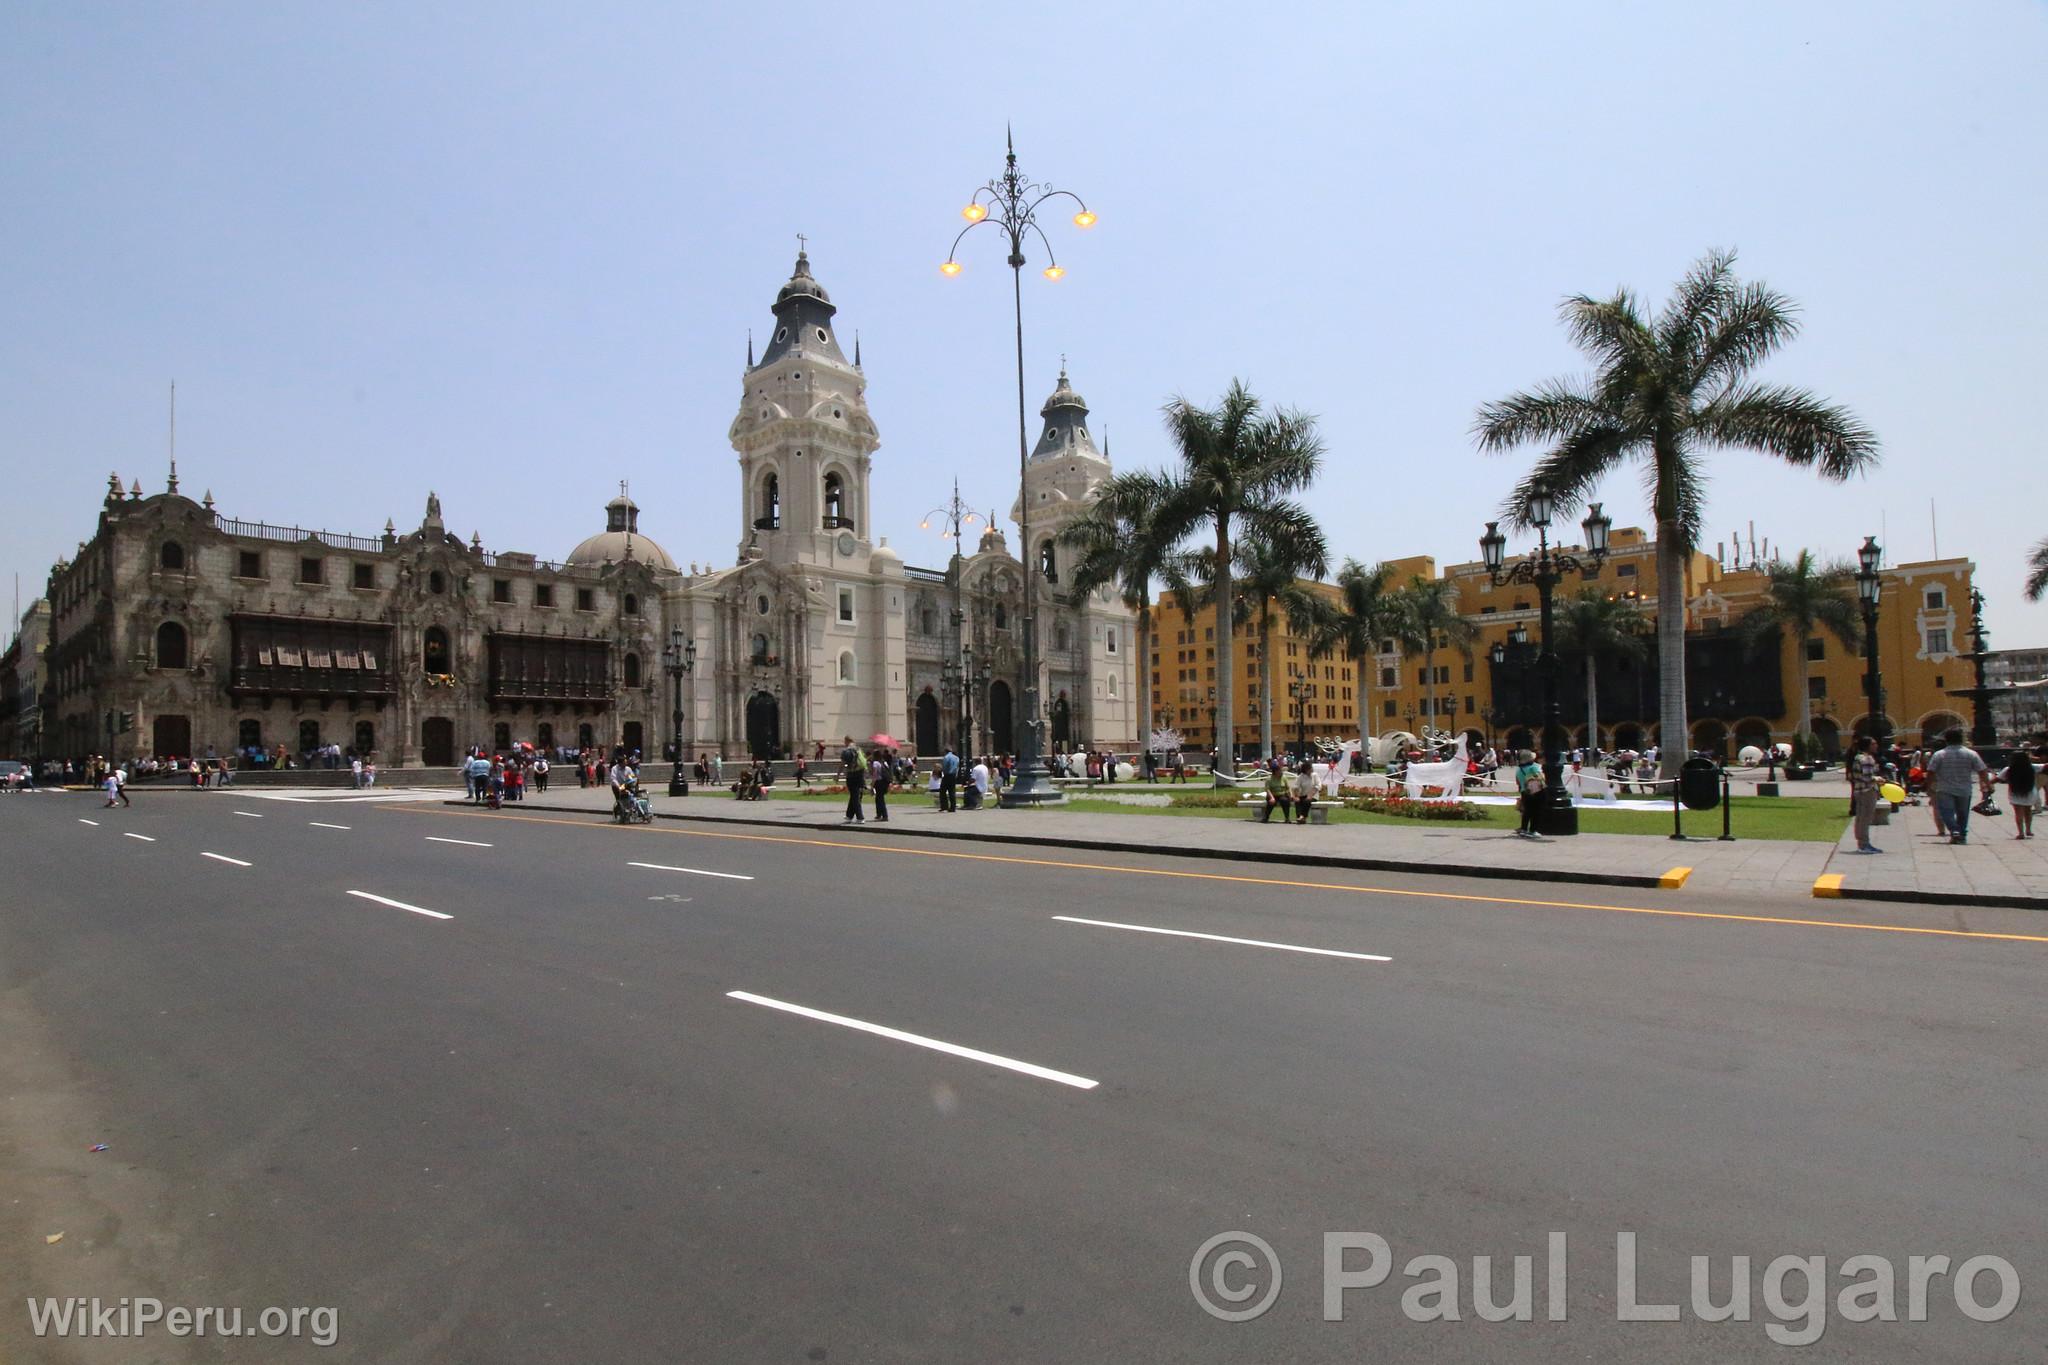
x,y
928,724
1935,723
1521,738
173,737
437,742
999,722
1628,735
1753,732
764,724
632,737
1062,722
1830,736
1710,737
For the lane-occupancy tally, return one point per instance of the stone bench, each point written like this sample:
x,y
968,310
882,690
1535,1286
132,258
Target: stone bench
x,y
1318,811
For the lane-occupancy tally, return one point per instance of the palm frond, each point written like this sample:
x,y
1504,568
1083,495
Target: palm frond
x,y
1570,472
1555,411
1792,425
1687,324
2037,572
1748,327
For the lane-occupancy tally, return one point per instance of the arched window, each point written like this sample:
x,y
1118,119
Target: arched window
x,y
170,645
759,652
434,650
172,556
632,670
1060,639
586,738
544,736
249,735
846,666
769,518
835,503
501,737
366,738
1046,563
309,736
632,604
1002,617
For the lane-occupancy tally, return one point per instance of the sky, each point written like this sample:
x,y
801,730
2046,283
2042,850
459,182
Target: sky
x,y
511,252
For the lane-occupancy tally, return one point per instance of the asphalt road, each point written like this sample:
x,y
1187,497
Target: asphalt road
x,y
544,1128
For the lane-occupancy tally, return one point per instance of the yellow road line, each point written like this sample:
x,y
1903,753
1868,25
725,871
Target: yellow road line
x,y
1219,876
1675,878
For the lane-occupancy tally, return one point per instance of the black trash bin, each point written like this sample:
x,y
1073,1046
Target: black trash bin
x,y
1699,783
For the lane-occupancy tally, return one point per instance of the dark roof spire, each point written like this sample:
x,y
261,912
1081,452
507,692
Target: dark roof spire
x,y
750,348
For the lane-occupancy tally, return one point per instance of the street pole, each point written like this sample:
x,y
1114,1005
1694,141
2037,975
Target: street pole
x,y
1011,202
679,658
1869,588
1544,571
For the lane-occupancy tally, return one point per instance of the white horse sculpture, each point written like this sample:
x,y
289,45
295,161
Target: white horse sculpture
x,y
1448,775
1329,777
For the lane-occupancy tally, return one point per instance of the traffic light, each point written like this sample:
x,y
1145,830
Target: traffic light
x,y
127,721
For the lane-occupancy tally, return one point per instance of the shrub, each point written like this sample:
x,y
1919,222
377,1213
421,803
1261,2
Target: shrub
x,y
1213,798
1397,803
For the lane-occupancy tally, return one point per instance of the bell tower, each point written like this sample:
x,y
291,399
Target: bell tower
x,y
1063,474
804,437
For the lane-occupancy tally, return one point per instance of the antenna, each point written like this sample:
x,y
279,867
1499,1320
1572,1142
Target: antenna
x,y
1934,525
173,486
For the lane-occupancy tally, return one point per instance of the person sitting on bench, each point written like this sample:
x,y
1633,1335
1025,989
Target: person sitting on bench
x,y
1277,794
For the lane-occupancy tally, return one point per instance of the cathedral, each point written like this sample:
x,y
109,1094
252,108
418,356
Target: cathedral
x,y
178,631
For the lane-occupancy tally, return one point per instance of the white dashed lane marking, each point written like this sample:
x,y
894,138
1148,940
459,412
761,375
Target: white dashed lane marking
x,y
697,871
322,824
401,905
224,858
144,837
467,843
918,1040
1220,938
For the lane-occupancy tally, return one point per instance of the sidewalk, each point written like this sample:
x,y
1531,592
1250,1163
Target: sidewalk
x,y
1994,868
1755,866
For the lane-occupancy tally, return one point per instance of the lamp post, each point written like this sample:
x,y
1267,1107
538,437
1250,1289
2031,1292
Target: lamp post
x,y
1869,558
1983,730
954,517
1215,736
1011,202
1545,570
678,658
1300,689
976,676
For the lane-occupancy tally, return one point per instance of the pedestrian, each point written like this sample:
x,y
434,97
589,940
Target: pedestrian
x,y
1863,783
881,776
1953,773
853,770
540,774
949,780
1529,783
2023,790
494,781
977,785
115,796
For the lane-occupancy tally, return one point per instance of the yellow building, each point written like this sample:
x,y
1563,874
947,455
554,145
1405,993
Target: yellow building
x,y
1184,679
1923,628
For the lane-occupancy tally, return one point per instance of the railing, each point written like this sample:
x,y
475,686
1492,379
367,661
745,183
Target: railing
x,y
522,689
331,682
493,558
259,530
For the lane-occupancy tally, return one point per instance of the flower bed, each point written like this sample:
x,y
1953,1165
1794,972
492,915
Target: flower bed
x,y
1398,804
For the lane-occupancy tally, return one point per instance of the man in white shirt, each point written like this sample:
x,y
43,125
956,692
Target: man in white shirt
x,y
978,775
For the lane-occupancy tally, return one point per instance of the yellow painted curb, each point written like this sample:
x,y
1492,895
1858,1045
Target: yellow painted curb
x,y
1828,886
1675,878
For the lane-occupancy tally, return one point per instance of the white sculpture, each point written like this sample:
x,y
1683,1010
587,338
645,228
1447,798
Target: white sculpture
x,y
1448,776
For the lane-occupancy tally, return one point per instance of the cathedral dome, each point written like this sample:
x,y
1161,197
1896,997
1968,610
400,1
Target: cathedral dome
x,y
801,284
620,540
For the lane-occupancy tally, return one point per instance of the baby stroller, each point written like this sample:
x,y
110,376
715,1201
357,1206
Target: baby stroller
x,y
629,807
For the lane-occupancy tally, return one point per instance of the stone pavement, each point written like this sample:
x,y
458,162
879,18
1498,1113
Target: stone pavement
x,y
1917,864
1759,866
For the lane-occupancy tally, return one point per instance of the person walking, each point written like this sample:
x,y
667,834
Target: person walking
x,y
949,781
1863,783
1954,773
1529,783
116,795
853,770
2023,790
881,776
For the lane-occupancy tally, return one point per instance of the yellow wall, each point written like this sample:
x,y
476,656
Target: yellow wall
x,y
1184,672
1916,674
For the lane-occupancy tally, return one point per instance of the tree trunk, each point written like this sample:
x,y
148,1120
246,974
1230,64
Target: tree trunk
x,y
1805,696
1366,666
1265,682
1144,678
1592,706
1674,740
1429,687
1225,760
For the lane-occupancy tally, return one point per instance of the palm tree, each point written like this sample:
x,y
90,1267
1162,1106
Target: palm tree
x,y
2037,572
1600,627
1239,464
1365,612
1426,620
1118,543
1803,597
1665,389
1268,576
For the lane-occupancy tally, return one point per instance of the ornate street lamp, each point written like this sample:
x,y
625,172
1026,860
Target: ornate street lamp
x,y
1545,570
954,518
1300,689
1983,730
1869,587
1011,203
678,658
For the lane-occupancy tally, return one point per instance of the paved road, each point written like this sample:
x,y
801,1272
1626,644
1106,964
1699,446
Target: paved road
x,y
544,1128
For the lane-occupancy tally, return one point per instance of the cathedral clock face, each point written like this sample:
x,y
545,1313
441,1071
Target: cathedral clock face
x,y
846,542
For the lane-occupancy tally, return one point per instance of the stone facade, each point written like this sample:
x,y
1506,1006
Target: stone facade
x,y
177,631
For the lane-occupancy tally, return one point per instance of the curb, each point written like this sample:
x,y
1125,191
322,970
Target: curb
x,y
1524,874
1850,893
